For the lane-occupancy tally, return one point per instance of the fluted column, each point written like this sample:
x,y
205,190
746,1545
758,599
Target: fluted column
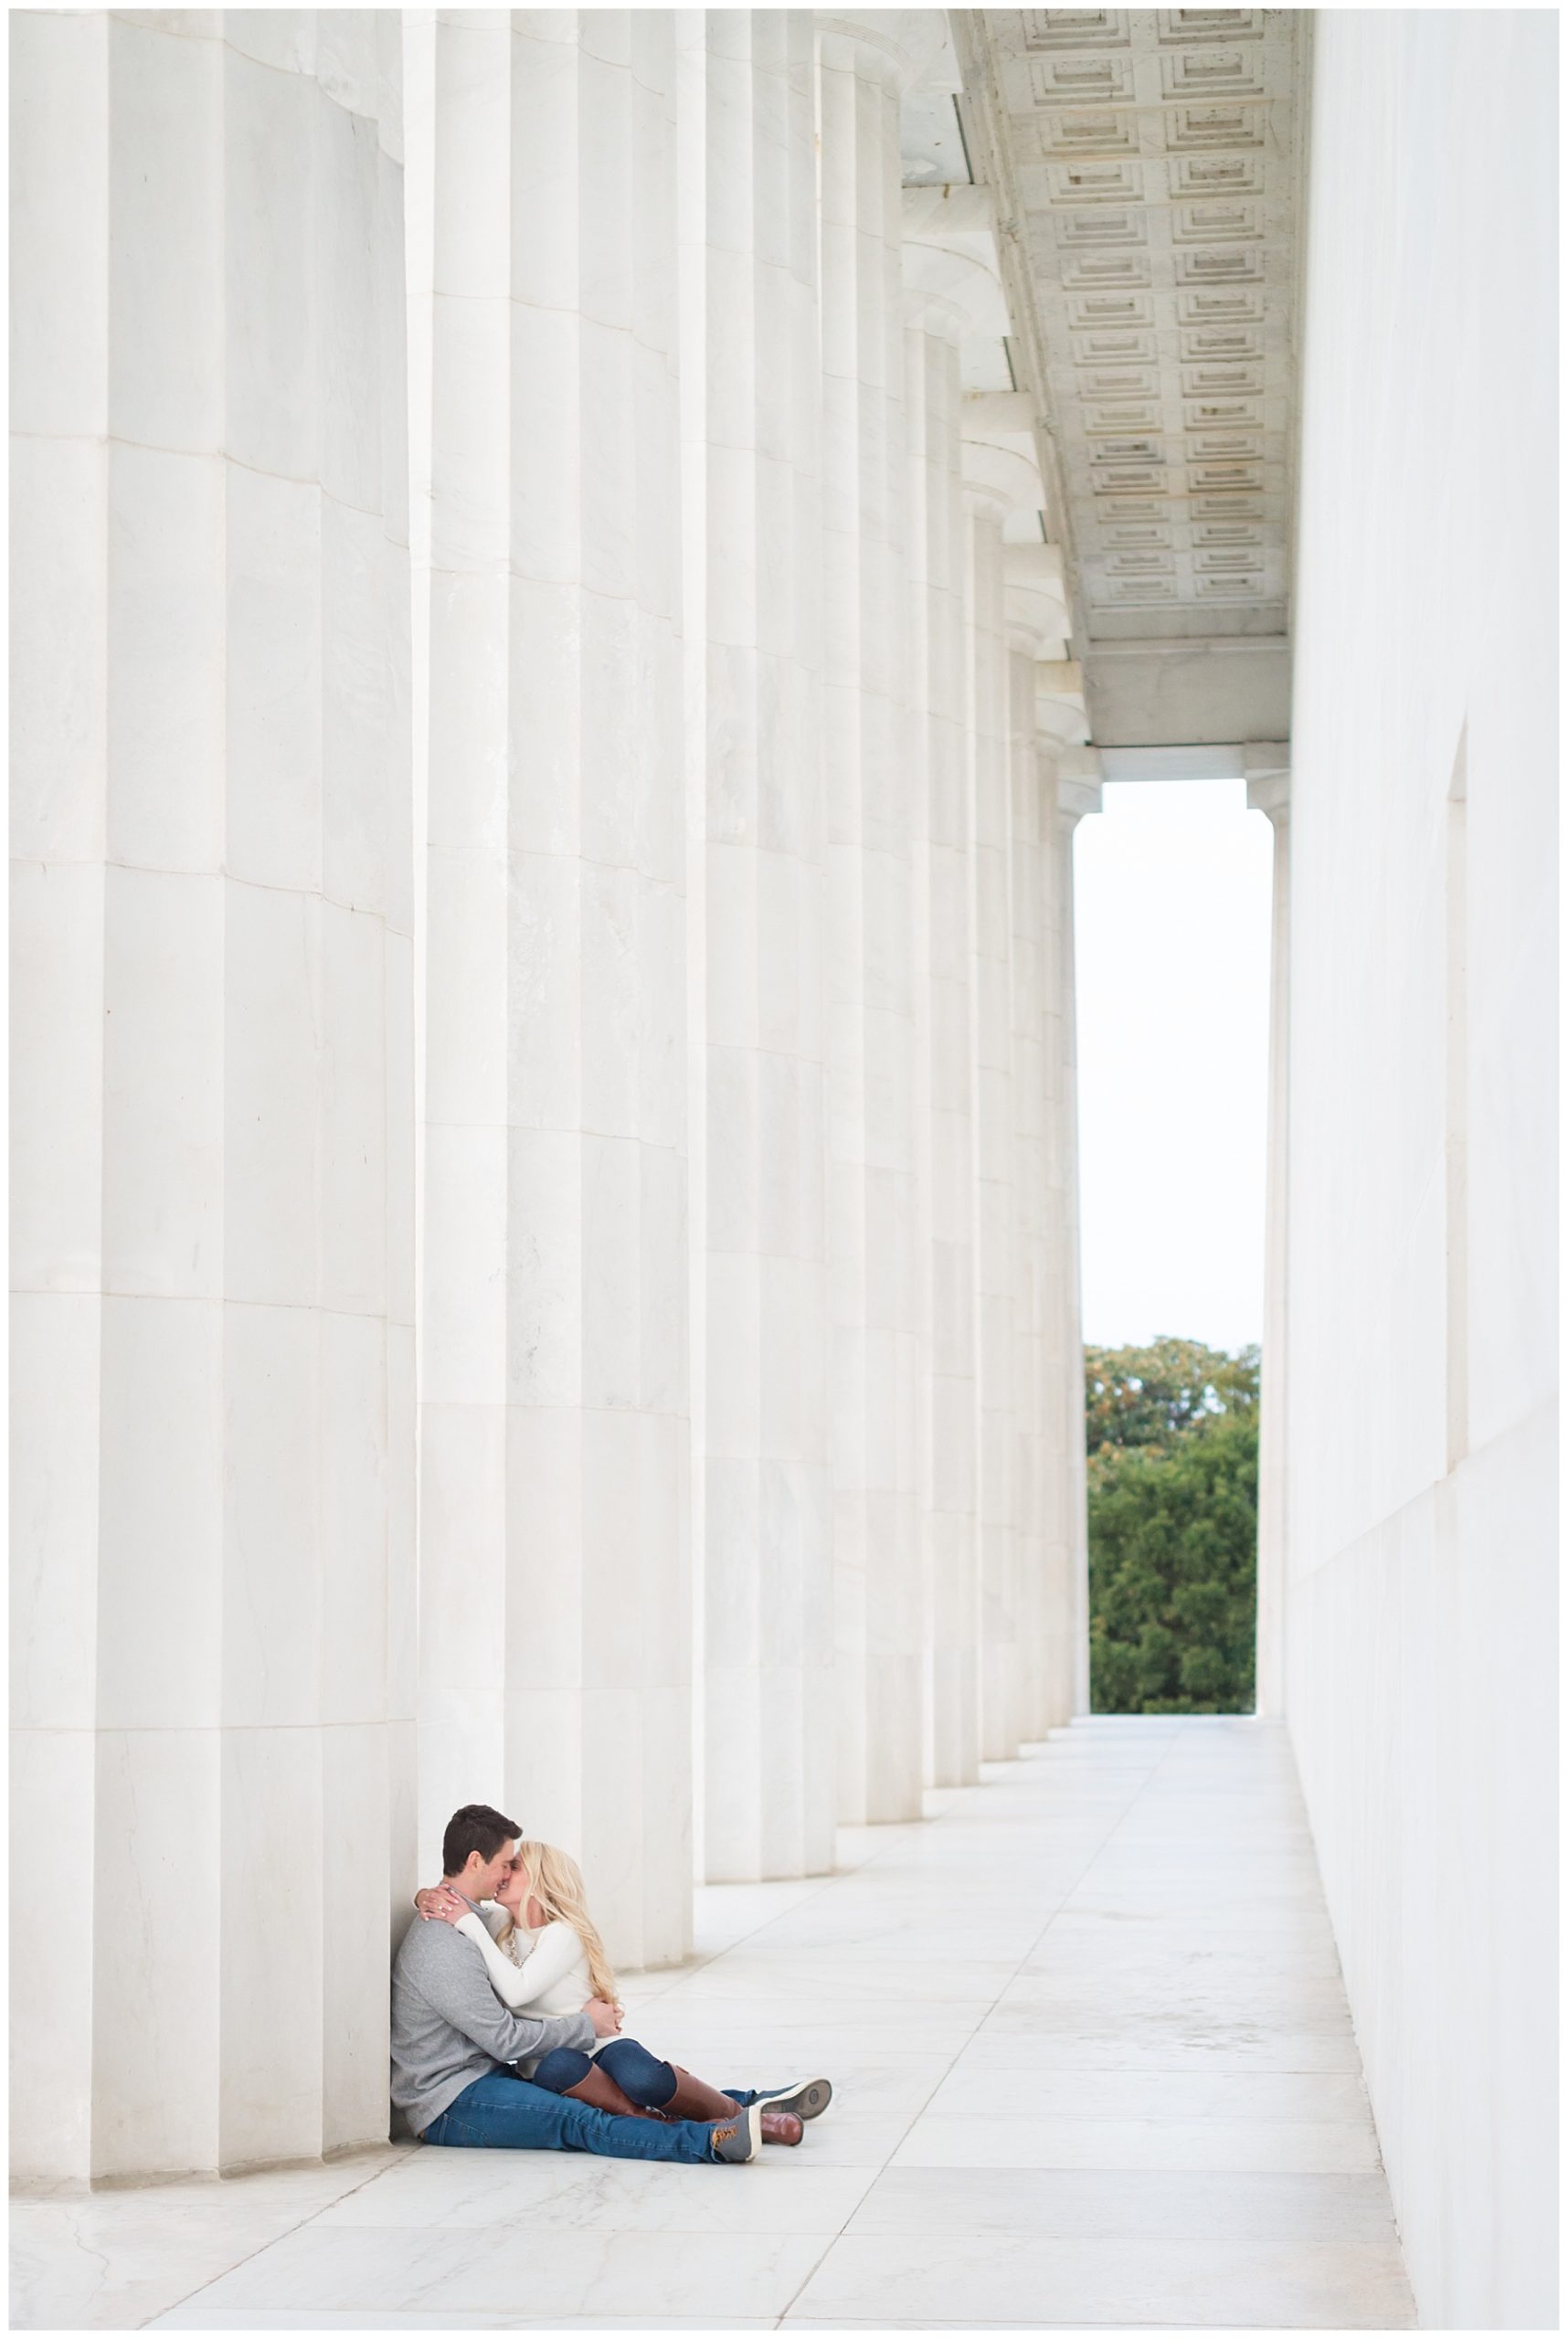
x,y
555,1606
874,1331
1060,1394
1061,1400
952,291
213,1448
1033,611
1079,790
1269,791
1037,626
942,828
751,501
1001,1626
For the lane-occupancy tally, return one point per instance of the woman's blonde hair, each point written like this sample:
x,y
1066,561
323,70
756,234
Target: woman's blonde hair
x,y
555,1881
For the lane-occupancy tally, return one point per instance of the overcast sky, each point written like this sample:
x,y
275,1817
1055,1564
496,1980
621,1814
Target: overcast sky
x,y
1172,885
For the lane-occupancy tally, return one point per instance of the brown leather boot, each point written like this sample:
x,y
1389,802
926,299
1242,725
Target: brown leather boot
x,y
599,2089
694,2100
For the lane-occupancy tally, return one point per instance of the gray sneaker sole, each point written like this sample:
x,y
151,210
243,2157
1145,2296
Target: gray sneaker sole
x,y
805,2098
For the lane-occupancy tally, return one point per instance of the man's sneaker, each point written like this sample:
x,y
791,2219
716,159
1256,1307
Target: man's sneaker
x,y
740,2138
805,2098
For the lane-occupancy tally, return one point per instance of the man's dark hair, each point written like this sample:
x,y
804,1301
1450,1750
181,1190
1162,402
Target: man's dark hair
x,y
475,1829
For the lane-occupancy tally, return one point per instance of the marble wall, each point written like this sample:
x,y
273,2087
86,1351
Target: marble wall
x,y
1420,1600
212,915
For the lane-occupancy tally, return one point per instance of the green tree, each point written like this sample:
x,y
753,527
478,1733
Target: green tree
x,y
1172,1489
1148,1396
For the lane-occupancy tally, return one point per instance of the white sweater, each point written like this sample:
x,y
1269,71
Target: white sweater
x,y
549,1975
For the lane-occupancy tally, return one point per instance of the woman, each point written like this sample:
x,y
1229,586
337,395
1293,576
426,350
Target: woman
x,y
550,1958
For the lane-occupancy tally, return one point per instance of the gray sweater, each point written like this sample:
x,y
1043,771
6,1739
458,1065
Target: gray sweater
x,y
449,2027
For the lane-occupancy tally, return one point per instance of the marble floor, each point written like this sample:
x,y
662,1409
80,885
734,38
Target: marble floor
x,y
1094,2068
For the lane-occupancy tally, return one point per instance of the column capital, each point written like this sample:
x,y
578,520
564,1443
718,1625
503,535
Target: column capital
x,y
1080,784
933,312
892,45
956,292
933,214
949,248
985,414
983,497
1267,767
1004,473
1034,598
1061,711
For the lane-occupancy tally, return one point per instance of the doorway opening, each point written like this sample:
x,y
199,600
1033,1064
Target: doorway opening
x,y
1173,887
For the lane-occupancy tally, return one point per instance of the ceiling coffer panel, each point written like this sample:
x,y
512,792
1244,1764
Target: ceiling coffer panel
x,y
1154,168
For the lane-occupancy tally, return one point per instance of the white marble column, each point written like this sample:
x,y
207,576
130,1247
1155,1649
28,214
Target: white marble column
x,y
554,1593
752,397
1004,492
1061,1395
1269,791
1061,1398
212,1244
1033,612
942,832
1079,791
863,62
991,1004
954,293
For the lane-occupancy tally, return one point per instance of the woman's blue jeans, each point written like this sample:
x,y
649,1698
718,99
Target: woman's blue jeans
x,y
509,2114
639,2075
642,2078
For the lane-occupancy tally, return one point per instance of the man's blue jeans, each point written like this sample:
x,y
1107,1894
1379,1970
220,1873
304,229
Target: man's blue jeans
x,y
511,2114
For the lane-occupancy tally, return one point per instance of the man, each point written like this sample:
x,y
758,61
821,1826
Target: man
x,y
453,2039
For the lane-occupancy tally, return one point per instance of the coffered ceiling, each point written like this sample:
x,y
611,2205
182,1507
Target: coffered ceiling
x,y
1145,165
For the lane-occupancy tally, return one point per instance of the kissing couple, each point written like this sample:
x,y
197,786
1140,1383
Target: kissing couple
x,y
507,2031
